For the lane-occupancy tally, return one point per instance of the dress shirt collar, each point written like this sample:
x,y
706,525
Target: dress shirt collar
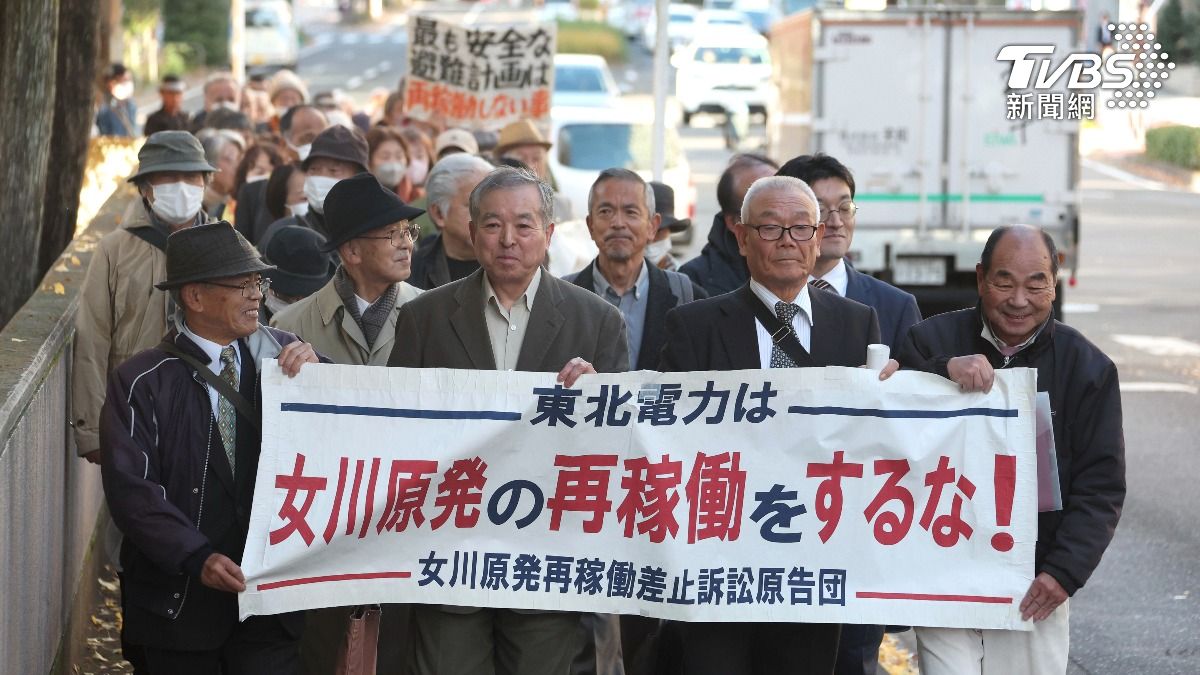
x,y
211,349
640,287
803,301
838,277
987,334
489,294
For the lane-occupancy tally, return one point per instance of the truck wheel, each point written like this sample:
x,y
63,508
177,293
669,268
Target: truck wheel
x,y
687,118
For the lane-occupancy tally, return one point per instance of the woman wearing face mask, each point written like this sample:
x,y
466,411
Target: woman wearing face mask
x,y
420,160
389,161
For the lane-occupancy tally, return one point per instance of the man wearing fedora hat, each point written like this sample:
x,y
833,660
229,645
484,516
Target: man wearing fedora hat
x,y
352,318
302,265
337,153
179,452
509,315
522,141
658,251
120,312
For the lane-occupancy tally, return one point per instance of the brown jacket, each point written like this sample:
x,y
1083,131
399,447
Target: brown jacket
x,y
322,319
120,314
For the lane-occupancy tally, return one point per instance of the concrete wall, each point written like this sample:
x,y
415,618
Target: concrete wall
x,y
50,500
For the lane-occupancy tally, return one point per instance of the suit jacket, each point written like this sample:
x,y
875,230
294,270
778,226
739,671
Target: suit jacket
x,y
445,328
719,333
660,301
897,309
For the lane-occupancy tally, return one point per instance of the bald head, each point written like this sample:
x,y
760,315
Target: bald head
x,y
1016,278
1027,235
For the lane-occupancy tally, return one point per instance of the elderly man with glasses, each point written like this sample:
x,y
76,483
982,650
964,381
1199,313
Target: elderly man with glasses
x,y
179,448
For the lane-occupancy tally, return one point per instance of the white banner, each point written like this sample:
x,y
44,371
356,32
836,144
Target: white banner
x,y
762,495
479,77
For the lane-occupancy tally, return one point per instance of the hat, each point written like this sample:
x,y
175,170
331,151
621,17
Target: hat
x,y
302,264
359,204
212,251
340,143
171,151
172,83
456,138
286,79
664,205
521,132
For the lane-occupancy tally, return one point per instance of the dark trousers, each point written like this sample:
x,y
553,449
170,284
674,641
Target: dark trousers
x,y
760,648
255,648
858,650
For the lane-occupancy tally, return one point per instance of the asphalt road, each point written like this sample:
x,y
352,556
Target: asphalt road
x,y
1136,298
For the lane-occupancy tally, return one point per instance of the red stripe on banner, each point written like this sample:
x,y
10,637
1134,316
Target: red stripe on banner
x,y
333,577
932,597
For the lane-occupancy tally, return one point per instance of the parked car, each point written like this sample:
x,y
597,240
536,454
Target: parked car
x,y
720,20
271,38
589,140
718,71
559,10
681,26
584,80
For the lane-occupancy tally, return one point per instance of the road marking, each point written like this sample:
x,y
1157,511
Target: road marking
x,y
385,66
400,38
1124,176
1158,345
1080,308
351,38
1159,388
354,82
376,38
370,73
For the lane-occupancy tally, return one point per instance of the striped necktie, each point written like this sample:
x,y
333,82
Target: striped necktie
x,y
786,312
823,285
227,416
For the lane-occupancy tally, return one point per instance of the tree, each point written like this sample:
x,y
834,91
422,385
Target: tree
x,y
1179,30
203,23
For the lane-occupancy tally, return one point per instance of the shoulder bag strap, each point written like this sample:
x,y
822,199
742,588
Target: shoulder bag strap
x,y
783,336
239,402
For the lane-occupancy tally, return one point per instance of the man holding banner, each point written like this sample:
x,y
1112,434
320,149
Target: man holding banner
x,y
1013,328
772,322
510,315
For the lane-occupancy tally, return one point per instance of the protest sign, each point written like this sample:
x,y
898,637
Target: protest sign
x,y
479,77
817,494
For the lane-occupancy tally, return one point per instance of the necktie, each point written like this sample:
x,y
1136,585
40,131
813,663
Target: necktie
x,y
822,284
786,312
227,417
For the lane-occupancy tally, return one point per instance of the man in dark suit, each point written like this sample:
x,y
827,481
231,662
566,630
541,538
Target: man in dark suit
x,y
779,234
833,184
509,315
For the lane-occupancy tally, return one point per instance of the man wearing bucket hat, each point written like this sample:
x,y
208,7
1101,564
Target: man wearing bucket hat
x,y
337,153
120,312
352,319
302,268
180,444
658,251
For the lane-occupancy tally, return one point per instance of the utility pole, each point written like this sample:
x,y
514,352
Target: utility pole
x,y
237,40
661,50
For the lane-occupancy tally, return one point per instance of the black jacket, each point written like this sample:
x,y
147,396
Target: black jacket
x,y
170,490
720,267
430,268
661,300
1085,403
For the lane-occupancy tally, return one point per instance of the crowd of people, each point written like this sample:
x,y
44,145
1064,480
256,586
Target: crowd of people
x,y
279,224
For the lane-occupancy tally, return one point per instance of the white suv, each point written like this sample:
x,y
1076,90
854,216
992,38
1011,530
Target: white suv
x,y
717,72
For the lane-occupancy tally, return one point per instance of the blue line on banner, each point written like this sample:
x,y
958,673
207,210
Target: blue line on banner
x,y
402,412
901,414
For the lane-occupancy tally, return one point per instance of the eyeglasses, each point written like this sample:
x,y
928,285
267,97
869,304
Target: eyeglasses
x,y
396,236
263,285
846,210
775,232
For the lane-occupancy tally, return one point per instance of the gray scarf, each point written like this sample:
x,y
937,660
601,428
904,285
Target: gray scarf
x,y
376,316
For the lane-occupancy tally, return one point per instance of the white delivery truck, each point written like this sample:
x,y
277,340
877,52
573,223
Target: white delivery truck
x,y
915,103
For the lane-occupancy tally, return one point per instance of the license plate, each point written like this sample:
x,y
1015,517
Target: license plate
x,y
919,272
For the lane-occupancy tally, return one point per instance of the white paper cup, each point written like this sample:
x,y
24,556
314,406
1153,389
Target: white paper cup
x,y
877,356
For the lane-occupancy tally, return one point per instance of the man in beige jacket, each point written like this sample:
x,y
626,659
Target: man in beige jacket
x,y
121,313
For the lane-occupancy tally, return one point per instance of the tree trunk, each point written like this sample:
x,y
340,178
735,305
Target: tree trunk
x,y
28,41
77,72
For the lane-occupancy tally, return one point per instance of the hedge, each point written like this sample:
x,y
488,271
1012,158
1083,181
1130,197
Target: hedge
x,y
591,37
1177,145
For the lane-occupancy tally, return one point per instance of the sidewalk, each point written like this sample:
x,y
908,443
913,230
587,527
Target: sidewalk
x,y
1117,138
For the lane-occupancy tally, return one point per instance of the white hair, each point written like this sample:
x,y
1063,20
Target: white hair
x,y
214,141
443,180
768,184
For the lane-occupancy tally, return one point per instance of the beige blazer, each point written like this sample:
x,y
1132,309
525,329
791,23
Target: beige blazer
x,y
322,319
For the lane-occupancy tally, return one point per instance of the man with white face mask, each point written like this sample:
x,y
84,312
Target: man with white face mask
x,y
337,153
300,125
117,115
221,90
121,313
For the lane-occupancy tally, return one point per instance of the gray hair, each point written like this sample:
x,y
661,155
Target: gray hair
x,y
769,184
221,76
214,141
508,178
443,180
624,174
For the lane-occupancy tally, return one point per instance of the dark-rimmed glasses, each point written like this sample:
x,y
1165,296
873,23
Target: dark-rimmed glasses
x,y
775,232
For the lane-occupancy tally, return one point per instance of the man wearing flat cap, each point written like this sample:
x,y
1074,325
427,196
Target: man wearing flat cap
x,y
337,153
121,312
180,442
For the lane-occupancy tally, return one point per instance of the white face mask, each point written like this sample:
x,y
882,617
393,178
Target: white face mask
x,y
177,202
391,173
303,150
417,172
298,209
657,250
123,91
228,105
315,190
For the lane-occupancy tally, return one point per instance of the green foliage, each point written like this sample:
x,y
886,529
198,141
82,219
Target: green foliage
x,y
203,25
140,15
1176,145
589,5
592,37
1179,30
